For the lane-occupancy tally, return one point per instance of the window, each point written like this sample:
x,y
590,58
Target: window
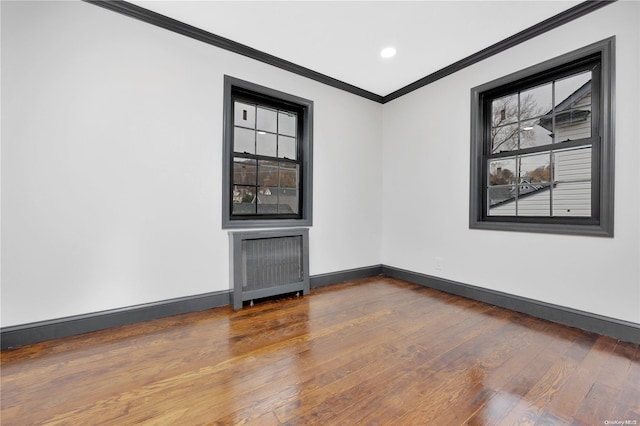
x,y
267,157
542,147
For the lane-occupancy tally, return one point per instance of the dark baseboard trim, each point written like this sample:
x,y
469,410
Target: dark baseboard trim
x,y
341,276
26,334
619,329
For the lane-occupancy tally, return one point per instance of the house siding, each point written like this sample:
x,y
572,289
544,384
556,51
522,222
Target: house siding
x,y
576,129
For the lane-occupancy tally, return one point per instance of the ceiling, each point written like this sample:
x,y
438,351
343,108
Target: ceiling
x,y
343,39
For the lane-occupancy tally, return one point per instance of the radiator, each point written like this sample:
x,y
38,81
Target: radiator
x,y
268,263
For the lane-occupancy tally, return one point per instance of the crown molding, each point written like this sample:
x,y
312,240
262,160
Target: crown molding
x,y
556,21
162,21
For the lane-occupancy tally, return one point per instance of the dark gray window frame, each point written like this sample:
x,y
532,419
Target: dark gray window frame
x,y
603,178
306,106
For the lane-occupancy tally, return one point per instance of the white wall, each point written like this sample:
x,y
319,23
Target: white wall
x,y
426,140
111,177
111,163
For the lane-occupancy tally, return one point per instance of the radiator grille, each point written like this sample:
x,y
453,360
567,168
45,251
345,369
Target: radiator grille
x,y
272,262
268,263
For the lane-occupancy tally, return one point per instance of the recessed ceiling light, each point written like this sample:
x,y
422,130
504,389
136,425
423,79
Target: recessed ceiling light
x,y
388,52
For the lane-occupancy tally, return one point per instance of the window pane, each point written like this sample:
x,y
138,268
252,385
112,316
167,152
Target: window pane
x,y
502,171
572,199
267,120
244,140
501,200
278,188
278,201
504,138
573,165
534,200
536,132
535,170
289,183
534,194
573,91
288,175
504,110
267,173
536,101
573,124
244,171
281,197
244,115
573,107
268,204
244,198
266,144
287,147
288,203
287,123
268,197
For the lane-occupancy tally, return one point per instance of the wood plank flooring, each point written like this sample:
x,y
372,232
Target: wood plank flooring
x,y
368,352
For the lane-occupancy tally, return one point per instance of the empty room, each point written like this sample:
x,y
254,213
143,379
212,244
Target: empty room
x,y
320,212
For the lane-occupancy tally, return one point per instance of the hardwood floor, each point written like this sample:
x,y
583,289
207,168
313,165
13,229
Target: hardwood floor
x,y
373,351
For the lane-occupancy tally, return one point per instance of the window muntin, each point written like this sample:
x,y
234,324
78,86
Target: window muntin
x,y
267,151
266,178
542,149
533,126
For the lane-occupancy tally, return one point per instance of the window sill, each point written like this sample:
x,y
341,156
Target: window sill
x,y
265,223
596,230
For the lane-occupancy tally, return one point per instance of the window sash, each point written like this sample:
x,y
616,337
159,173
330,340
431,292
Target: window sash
x,y
300,145
549,77
278,107
598,57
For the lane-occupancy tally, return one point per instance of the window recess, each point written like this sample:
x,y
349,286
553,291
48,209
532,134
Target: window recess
x,y
267,157
542,147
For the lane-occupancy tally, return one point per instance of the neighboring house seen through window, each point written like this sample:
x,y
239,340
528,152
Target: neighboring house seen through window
x,y
542,147
267,155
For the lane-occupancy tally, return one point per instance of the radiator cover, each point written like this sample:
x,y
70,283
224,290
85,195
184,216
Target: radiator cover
x,y
268,263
